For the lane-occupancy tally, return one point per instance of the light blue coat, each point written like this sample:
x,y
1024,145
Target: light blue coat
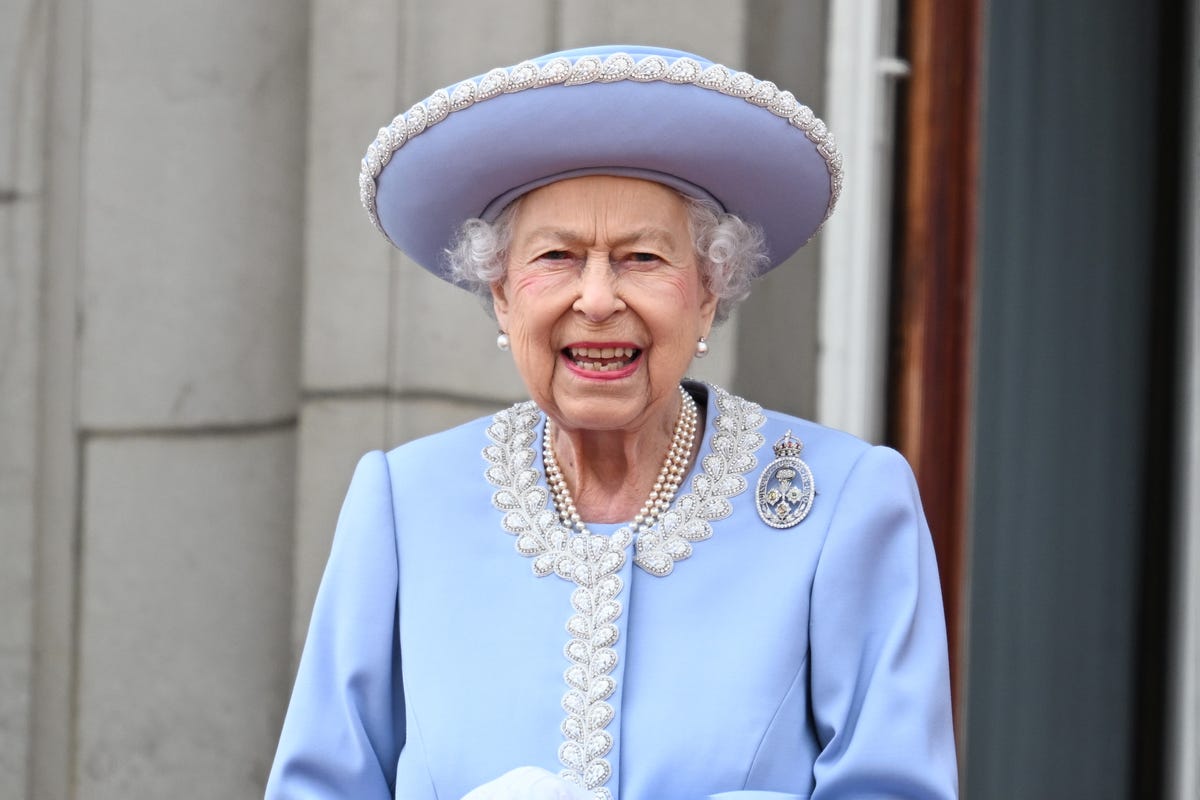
x,y
719,656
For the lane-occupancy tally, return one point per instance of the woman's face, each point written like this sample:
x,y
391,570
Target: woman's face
x,y
603,301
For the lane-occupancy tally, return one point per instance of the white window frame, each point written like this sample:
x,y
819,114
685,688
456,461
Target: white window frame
x,y
855,245
1184,704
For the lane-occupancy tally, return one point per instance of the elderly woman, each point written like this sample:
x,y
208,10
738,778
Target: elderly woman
x,y
684,615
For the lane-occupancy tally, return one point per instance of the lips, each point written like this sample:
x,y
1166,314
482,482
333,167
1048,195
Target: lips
x,y
602,358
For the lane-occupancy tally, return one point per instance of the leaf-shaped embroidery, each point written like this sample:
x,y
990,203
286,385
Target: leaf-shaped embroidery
x,y
684,70
583,600
602,688
438,106
597,774
716,508
696,530
650,68
605,636
598,745
576,677
610,563
585,70
597,546
764,93
554,71
506,500
617,67
603,660
526,478
713,462
579,651
571,754
522,76
579,626
564,567
678,549
514,522
608,612
572,728
655,563
649,541
715,77
731,485
574,703
463,96
599,715
741,84
492,84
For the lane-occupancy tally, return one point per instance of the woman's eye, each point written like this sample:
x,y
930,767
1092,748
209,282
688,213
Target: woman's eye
x,y
555,255
643,258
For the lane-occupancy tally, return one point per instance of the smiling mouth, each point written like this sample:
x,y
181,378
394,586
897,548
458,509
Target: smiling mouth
x,y
602,359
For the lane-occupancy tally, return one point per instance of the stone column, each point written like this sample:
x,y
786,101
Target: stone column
x,y
168,352
23,67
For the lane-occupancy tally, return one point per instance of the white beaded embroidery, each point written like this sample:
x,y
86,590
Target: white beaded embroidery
x,y
594,562
589,69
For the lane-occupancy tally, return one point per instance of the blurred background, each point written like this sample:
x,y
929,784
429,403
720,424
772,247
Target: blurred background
x,y
200,332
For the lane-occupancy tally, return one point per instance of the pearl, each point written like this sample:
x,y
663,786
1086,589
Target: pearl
x,y
669,477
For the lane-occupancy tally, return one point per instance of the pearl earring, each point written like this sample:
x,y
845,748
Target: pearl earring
x,y
701,348
502,341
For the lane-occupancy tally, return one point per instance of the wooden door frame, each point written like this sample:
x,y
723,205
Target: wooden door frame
x,y
933,283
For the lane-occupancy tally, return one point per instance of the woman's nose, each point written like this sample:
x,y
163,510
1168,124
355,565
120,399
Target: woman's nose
x,y
598,296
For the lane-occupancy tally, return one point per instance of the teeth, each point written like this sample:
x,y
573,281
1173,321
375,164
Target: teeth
x,y
614,357
602,352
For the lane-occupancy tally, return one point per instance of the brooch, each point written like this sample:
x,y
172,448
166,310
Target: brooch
x,y
785,489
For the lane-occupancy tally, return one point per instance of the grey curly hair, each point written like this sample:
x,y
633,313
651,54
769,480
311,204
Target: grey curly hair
x,y
732,252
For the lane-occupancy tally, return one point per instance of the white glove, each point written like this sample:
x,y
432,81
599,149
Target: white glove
x,y
528,783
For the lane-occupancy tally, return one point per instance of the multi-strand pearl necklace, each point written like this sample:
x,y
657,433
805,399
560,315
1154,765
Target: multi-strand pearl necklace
x,y
671,475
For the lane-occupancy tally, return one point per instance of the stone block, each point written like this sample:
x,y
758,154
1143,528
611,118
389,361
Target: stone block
x,y
184,610
193,163
446,342
15,677
500,33
413,418
22,86
352,93
778,335
711,28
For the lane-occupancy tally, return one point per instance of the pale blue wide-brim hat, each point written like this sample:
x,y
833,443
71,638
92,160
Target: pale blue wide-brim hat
x,y
704,129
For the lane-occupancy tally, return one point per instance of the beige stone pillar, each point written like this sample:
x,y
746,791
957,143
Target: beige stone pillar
x,y
23,66
165,234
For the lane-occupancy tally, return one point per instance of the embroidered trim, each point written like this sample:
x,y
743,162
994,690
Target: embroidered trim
x,y
594,562
591,69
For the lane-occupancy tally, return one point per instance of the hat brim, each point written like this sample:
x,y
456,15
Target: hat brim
x,y
658,114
